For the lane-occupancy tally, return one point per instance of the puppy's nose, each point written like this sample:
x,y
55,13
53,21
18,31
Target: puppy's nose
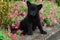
x,y
32,14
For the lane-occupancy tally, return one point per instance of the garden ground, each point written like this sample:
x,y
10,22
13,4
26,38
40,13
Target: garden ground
x,y
52,34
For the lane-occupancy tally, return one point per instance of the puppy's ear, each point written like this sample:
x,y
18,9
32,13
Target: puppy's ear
x,y
39,6
28,3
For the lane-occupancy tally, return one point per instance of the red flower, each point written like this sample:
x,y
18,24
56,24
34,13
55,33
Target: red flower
x,y
14,37
11,35
5,32
22,35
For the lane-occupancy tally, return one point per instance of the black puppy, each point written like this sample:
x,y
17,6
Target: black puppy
x,y
29,23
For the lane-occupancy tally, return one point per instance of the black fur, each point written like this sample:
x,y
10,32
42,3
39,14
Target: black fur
x,y
29,23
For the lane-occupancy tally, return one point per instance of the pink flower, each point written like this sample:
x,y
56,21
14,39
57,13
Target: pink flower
x,y
15,38
45,25
20,12
16,13
8,27
11,10
48,16
50,11
41,10
40,15
25,14
41,1
16,27
25,0
25,5
5,32
20,3
49,2
53,1
41,20
54,20
17,24
43,17
18,18
54,7
13,25
50,23
53,13
11,15
17,8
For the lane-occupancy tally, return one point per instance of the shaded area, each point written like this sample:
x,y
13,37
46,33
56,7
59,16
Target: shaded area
x,y
56,36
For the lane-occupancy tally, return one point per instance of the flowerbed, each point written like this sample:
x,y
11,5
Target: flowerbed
x,y
49,16
5,35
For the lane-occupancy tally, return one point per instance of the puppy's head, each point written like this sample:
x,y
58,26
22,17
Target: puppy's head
x,y
33,9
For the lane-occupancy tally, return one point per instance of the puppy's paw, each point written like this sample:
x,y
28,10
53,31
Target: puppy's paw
x,y
29,33
43,32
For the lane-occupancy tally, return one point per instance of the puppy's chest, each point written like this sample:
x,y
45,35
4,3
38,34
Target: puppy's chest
x,y
34,20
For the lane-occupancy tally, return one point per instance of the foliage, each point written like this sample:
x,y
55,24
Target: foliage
x,y
47,20
19,9
4,36
58,2
49,15
4,15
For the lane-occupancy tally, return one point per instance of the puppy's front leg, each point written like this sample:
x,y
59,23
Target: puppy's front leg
x,y
29,29
40,28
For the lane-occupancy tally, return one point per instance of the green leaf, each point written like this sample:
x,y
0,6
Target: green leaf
x,y
47,20
14,20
